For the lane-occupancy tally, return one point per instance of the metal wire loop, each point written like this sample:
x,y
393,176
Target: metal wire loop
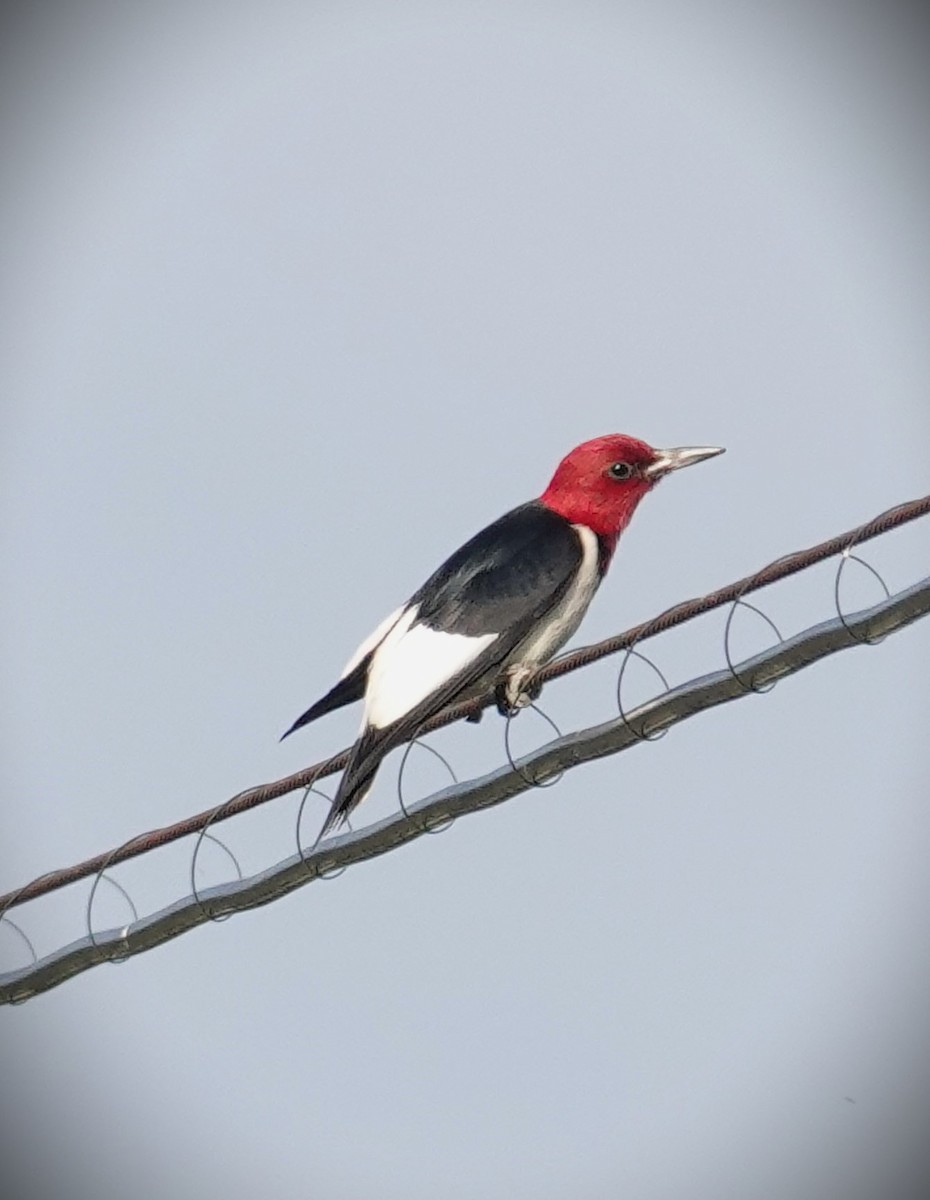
x,y
437,824
647,722
203,836
845,557
641,734
739,602
333,872
88,911
531,780
10,903
24,937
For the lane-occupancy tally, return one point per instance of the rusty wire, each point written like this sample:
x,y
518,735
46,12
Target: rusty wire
x,y
337,853
537,769
253,797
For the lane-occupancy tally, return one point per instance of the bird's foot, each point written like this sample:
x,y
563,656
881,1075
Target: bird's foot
x,y
518,689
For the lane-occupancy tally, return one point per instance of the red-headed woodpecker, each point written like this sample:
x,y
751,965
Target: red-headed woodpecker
x,y
499,608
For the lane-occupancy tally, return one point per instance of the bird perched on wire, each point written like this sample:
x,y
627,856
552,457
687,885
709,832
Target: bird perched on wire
x,y
498,608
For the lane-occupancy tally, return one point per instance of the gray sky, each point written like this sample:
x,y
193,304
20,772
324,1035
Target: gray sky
x,y
296,298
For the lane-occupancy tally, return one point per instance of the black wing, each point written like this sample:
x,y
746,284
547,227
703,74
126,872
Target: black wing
x,y
509,574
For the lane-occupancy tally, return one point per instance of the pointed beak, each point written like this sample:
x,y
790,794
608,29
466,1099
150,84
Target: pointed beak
x,y
682,456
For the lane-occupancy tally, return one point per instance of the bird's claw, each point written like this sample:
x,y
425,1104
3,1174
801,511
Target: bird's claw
x,y
518,689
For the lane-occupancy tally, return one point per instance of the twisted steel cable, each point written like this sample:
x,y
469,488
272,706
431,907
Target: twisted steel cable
x,y
539,768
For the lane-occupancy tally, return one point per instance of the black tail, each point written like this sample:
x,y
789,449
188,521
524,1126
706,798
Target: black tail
x,y
346,691
376,743
366,757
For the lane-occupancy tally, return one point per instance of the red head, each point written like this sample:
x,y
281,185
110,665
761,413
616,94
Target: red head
x,y
600,482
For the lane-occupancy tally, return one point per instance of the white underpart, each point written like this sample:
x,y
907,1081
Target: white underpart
x,y
411,663
372,640
565,618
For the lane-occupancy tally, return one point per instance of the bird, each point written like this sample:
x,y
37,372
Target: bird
x,y
497,609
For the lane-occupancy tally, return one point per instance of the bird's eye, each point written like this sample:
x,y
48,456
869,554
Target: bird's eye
x,y
620,470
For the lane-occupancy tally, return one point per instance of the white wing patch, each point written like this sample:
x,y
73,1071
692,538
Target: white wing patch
x,y
372,641
410,664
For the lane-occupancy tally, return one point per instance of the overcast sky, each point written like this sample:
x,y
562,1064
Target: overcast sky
x,y
298,296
